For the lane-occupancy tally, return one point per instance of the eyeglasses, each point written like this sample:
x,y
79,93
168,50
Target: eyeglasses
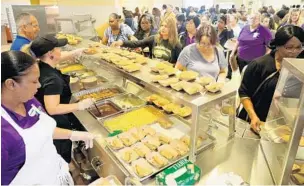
x,y
293,49
34,25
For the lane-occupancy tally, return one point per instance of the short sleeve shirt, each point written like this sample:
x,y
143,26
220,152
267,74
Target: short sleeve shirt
x,y
19,42
12,144
123,35
192,59
252,44
53,82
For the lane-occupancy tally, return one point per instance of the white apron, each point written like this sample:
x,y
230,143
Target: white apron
x,y
43,165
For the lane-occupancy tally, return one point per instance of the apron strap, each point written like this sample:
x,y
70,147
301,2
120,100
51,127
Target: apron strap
x,y
9,119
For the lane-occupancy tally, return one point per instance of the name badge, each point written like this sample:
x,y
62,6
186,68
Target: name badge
x,y
255,35
34,111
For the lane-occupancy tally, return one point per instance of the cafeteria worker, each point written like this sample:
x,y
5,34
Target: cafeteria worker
x,y
55,93
28,155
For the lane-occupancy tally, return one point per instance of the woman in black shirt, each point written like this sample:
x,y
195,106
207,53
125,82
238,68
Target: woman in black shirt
x,y
261,75
224,30
145,27
55,93
164,45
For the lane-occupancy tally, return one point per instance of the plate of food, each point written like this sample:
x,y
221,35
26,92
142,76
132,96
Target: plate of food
x,y
157,160
188,75
214,87
206,80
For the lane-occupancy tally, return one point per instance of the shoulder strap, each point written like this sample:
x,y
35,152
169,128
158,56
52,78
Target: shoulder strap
x,y
263,82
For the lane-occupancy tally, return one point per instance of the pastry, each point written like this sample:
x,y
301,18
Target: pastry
x,y
141,60
137,133
141,149
152,98
178,86
165,122
192,88
147,130
170,107
204,80
102,94
128,154
184,112
168,82
188,75
89,82
214,87
142,168
179,146
125,62
156,159
127,139
158,67
157,78
114,142
186,139
168,70
151,142
160,102
168,152
132,67
163,138
90,50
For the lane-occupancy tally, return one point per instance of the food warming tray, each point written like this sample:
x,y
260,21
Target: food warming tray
x,y
179,127
101,114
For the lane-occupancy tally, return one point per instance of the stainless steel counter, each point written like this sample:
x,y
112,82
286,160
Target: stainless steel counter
x,y
241,156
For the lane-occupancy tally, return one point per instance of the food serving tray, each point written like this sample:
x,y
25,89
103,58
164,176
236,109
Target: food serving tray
x,y
88,93
180,128
100,81
133,118
131,101
103,111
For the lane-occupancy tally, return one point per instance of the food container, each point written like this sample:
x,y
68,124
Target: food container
x,y
127,139
99,93
188,75
142,168
114,142
168,152
135,118
106,109
128,154
141,149
128,101
214,87
157,160
182,173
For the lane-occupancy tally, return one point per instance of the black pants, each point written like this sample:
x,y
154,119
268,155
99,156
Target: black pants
x,y
242,63
229,73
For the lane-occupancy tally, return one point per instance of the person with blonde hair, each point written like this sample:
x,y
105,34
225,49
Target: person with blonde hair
x,y
295,19
164,45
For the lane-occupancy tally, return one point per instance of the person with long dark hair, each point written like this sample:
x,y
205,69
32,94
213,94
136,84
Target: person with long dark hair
x,y
145,27
261,75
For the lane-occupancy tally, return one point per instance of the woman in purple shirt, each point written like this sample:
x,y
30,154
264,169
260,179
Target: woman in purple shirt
x,y
28,156
252,42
